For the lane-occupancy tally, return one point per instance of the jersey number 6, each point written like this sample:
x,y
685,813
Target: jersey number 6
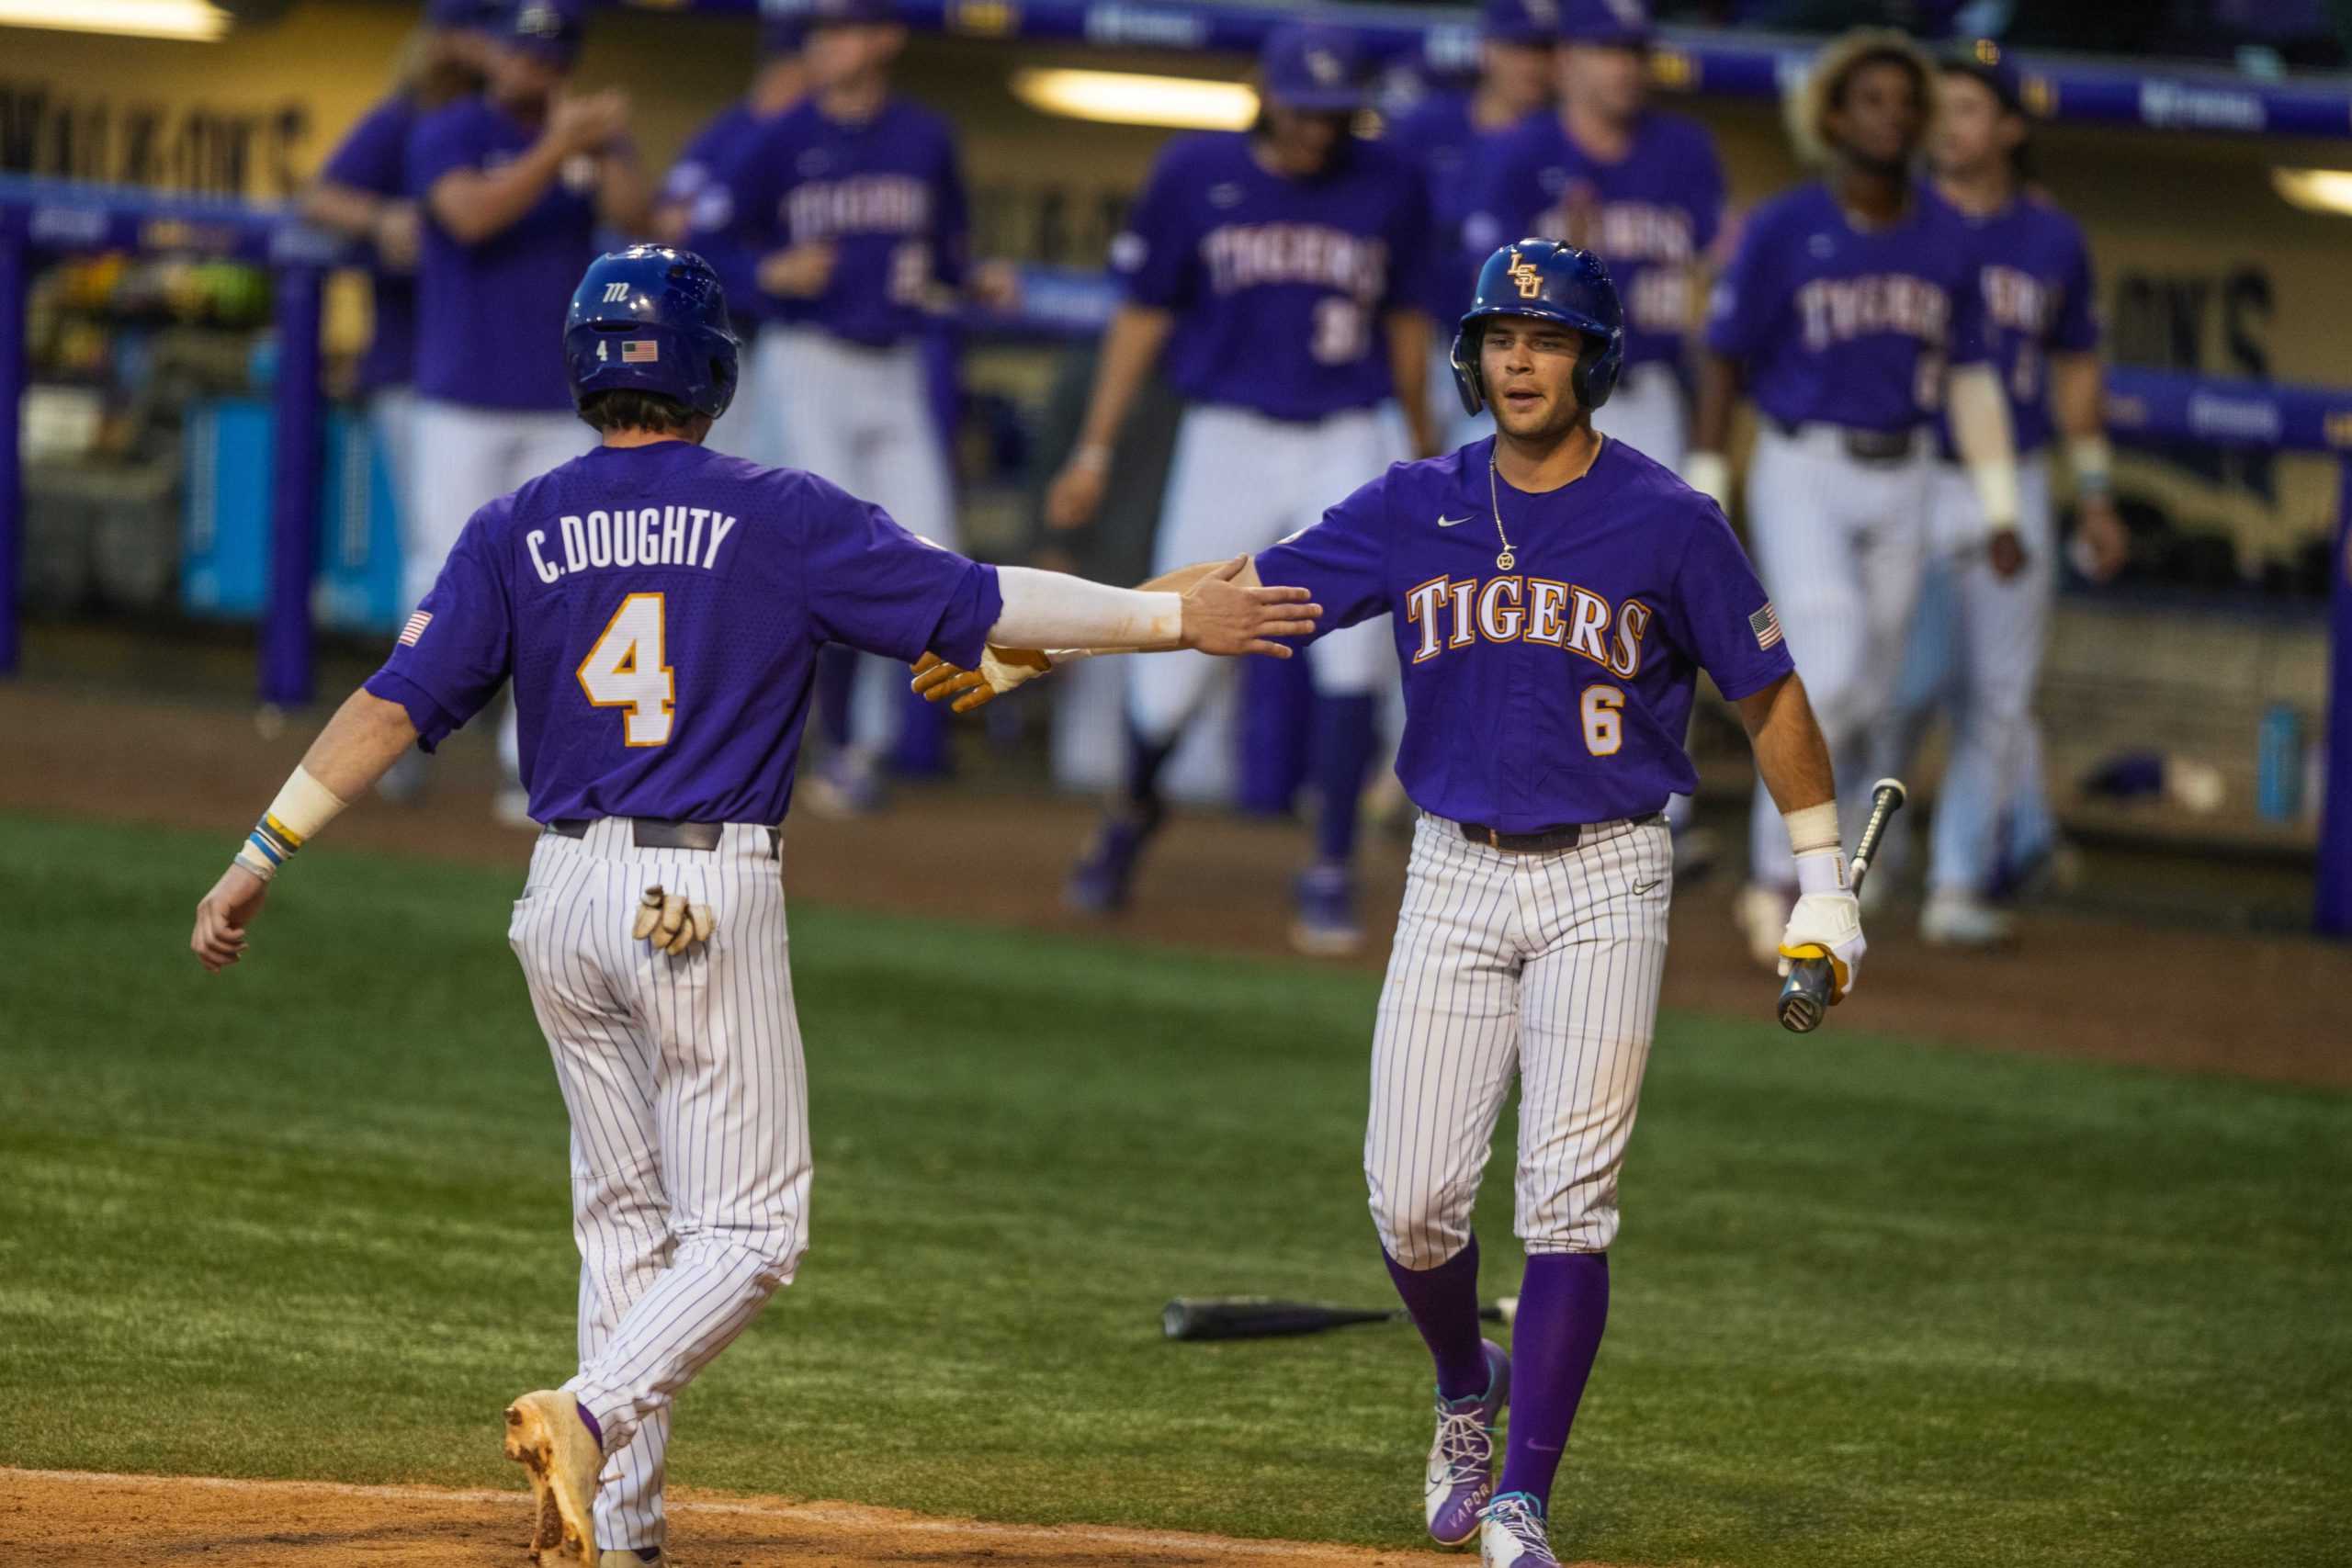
x,y
1602,710
629,669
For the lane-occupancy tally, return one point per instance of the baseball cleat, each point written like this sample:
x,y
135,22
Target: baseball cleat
x,y
1462,1457
1100,882
1512,1533
1961,920
547,1434
1762,915
1324,925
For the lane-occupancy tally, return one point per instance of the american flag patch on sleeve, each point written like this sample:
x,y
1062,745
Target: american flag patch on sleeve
x,y
641,351
1765,625
415,627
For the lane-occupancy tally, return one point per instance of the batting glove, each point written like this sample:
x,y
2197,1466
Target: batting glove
x,y
1001,668
671,924
1827,925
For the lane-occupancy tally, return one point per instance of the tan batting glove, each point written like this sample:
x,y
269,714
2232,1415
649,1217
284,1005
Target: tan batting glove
x,y
671,924
1001,668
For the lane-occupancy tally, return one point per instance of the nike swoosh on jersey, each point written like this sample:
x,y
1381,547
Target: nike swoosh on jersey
x,y
1641,888
1445,522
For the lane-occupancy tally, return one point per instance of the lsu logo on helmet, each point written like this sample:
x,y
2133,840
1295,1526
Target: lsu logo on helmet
x,y
1529,280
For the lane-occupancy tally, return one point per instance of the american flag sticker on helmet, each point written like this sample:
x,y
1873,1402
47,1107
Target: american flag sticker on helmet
x,y
415,627
1765,625
640,350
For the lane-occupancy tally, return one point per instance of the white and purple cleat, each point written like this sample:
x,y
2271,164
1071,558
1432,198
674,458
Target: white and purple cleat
x,y
1512,1533
1462,1459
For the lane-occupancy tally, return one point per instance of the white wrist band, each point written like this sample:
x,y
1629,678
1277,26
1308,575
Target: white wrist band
x,y
1811,828
301,809
2093,461
1052,609
1822,871
1709,473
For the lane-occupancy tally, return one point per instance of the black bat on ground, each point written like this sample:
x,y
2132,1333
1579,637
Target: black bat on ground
x,y
1261,1317
1804,995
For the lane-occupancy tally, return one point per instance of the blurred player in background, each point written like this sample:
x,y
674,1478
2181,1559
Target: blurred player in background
x,y
2036,281
1640,189
1451,135
1284,270
854,205
659,607
778,87
1852,315
1643,191
362,193
512,184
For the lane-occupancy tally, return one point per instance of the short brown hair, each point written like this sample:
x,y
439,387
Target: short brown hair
x,y
628,409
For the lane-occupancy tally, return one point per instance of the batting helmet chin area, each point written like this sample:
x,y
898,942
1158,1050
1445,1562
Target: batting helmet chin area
x,y
650,318
1551,282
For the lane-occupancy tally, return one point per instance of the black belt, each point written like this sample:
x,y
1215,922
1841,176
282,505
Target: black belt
x,y
659,833
1562,837
1866,446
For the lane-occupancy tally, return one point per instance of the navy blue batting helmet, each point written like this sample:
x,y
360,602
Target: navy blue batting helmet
x,y
1551,282
650,318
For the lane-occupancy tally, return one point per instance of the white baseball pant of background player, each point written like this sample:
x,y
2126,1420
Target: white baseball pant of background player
x,y
1544,964
688,1099
1239,481
1650,413
464,458
2004,624
1841,544
861,417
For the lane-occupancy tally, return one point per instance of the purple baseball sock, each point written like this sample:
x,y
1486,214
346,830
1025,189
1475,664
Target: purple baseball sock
x,y
1444,1304
1562,1307
1347,731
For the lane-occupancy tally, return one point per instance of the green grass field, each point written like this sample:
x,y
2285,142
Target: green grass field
x,y
1875,1302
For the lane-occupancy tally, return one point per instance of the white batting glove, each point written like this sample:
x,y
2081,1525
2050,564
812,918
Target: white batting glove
x,y
1826,923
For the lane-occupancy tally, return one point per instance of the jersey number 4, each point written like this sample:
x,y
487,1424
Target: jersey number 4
x,y
629,669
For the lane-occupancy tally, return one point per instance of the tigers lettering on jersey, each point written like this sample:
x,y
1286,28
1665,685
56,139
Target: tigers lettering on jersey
x,y
1559,690
1839,310
864,204
1458,612
629,536
1250,255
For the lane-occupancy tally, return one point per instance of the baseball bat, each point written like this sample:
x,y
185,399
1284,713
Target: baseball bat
x,y
1804,995
1262,1317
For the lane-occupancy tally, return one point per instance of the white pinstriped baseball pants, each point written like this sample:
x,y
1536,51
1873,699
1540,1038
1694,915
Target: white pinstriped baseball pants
x,y
688,1099
1548,965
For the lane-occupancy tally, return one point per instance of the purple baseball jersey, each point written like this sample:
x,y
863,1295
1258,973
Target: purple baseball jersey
x,y
2034,272
689,182
374,158
1439,135
659,609
1834,324
1649,215
490,316
886,192
1279,285
1557,690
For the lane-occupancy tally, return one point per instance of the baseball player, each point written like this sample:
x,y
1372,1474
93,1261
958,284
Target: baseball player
x,y
853,204
1451,136
1640,189
362,193
1852,315
1284,270
1553,594
512,184
778,87
659,608
2035,278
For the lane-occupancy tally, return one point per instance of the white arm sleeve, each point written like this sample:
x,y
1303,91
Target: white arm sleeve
x,y
1980,428
1052,609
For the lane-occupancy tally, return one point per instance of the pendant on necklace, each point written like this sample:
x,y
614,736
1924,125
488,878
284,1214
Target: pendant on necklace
x,y
1503,561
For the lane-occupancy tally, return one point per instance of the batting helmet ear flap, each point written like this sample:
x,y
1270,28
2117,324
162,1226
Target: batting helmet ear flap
x,y
1467,381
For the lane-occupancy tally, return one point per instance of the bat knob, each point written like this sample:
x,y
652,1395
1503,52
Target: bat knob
x,y
1901,794
1804,996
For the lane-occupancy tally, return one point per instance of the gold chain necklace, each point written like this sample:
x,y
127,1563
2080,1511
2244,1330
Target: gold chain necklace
x,y
1495,499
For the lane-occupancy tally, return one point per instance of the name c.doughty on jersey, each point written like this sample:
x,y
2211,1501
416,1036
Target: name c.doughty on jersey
x,y
1461,611
631,536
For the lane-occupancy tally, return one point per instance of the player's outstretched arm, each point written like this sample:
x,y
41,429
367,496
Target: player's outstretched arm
x,y
1793,759
366,735
1204,590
